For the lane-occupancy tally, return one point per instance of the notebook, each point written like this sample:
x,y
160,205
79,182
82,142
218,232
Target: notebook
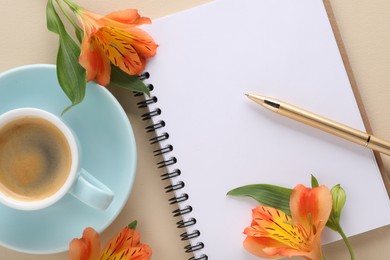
x,y
213,139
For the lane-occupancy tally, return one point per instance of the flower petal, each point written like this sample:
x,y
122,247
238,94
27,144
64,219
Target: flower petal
x,y
124,240
142,42
119,51
126,17
275,224
96,64
89,21
140,252
311,208
85,248
268,248
115,39
256,246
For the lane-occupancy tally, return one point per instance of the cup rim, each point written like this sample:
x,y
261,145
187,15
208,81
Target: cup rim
x,y
72,142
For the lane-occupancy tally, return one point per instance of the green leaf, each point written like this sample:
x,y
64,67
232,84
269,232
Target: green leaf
x,y
267,194
130,82
314,182
54,23
79,34
133,225
71,75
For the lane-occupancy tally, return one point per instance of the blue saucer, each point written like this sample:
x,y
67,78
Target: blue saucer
x,y
108,149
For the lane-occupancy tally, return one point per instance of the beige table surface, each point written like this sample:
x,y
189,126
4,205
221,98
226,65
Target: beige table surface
x,y
365,29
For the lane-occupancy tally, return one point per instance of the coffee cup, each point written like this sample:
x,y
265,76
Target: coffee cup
x,y
40,163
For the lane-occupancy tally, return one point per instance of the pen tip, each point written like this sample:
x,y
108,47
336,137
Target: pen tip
x,y
256,98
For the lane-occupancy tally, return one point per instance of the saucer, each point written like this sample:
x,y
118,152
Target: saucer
x,y
108,152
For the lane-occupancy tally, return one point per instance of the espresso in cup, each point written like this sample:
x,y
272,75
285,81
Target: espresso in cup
x,y
35,158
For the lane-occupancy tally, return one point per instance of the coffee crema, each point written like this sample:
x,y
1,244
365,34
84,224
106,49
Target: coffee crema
x,y
35,159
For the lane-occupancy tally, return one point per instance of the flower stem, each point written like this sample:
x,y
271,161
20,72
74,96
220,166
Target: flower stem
x,y
71,5
346,241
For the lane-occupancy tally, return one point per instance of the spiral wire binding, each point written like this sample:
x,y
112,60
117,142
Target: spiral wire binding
x,y
173,187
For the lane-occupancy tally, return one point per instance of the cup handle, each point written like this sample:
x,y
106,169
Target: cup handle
x,y
91,191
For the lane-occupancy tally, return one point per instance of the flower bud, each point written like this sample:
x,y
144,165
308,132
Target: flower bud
x,y
338,201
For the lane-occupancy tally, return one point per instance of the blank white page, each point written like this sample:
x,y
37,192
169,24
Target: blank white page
x,y
208,58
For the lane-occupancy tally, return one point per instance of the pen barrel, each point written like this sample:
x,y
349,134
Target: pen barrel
x,y
379,145
325,124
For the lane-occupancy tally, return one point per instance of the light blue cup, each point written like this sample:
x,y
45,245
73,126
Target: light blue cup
x,y
108,153
79,183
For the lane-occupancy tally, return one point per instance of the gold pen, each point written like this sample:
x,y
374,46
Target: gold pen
x,y
322,123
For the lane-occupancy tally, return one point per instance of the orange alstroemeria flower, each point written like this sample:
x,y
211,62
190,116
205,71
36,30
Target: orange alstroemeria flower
x,y
115,39
125,245
273,234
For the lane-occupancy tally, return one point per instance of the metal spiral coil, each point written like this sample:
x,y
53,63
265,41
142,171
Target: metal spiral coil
x,y
146,102
182,211
173,187
183,197
202,257
192,248
154,127
166,163
166,149
159,138
191,235
186,223
170,175
151,114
